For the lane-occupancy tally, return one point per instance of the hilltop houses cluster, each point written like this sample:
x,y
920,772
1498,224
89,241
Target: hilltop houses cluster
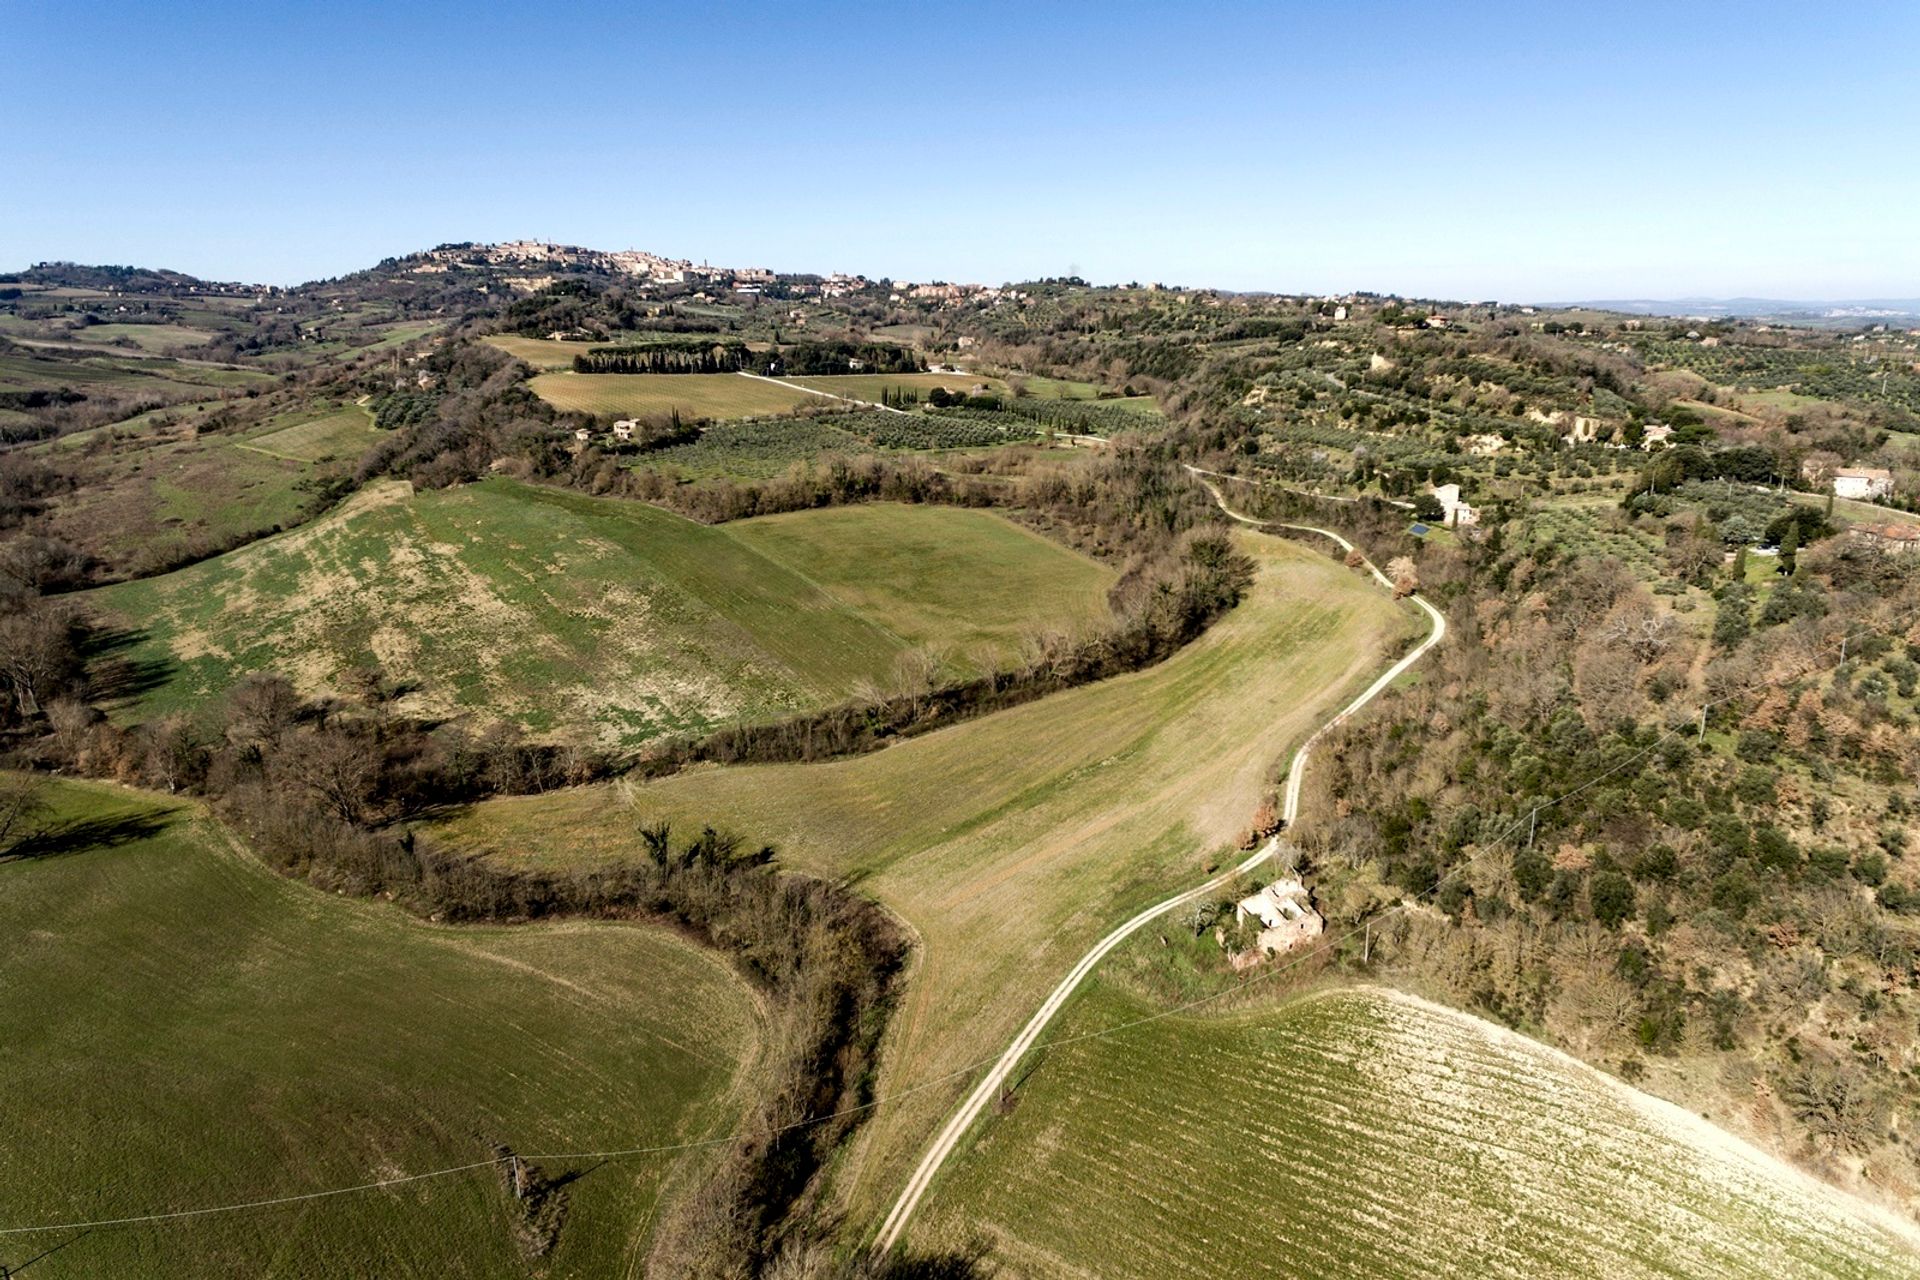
x,y
942,294
648,269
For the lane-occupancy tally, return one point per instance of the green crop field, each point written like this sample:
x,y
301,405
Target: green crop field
x,y
26,371
182,1028
869,386
936,576
593,618
1012,842
695,395
162,338
541,353
345,432
1064,389
1363,1134
149,375
765,447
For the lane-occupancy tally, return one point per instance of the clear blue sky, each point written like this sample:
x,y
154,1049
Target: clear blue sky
x,y
1520,151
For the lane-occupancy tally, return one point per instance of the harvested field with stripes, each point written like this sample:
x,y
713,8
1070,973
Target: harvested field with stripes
x,y
1367,1133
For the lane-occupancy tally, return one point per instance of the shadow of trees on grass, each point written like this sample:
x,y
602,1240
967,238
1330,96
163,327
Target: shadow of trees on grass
x,y
80,835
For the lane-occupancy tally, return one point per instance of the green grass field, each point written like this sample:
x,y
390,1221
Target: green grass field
x,y
541,353
346,431
1066,389
597,619
1356,1133
164,339
1011,843
182,1028
696,395
869,386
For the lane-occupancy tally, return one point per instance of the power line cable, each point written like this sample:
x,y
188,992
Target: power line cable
x,y
1266,975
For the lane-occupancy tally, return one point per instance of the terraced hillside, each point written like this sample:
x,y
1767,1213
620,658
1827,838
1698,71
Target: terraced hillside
x,y
182,1028
1012,842
1364,1133
599,619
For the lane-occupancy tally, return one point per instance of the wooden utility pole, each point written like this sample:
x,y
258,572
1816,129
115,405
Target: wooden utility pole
x,y
519,1178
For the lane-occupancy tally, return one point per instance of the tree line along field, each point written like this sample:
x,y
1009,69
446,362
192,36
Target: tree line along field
x,y
183,1028
599,620
1366,1133
763,448
547,354
1011,842
729,396
870,386
692,395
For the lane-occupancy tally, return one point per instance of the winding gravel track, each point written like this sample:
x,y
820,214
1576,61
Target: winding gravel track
x,y
983,1093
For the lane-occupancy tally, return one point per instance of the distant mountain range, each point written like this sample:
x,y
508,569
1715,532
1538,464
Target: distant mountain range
x,y
1842,311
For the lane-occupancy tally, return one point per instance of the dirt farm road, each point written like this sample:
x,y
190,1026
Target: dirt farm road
x,y
956,1127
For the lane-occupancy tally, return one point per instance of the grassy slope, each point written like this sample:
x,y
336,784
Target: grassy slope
x,y
183,1028
162,493
163,338
1358,1134
541,353
345,431
596,617
932,575
695,395
1011,843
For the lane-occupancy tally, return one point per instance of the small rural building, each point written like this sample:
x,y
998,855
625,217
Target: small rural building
x,y
1655,433
582,434
624,429
1285,915
1455,513
1894,539
1863,484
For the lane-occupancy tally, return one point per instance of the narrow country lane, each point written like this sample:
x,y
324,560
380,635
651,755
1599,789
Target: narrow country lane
x,y
949,1137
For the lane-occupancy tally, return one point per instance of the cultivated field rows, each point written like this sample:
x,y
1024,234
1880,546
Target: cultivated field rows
x,y
1365,1133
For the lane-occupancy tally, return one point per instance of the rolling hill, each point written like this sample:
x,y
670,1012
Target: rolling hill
x,y
182,1028
1011,842
595,619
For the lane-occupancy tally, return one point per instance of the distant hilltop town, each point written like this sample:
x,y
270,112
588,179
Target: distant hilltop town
x,y
541,258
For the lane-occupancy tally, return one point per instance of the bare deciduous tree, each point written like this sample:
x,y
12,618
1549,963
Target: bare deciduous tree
x,y
23,808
